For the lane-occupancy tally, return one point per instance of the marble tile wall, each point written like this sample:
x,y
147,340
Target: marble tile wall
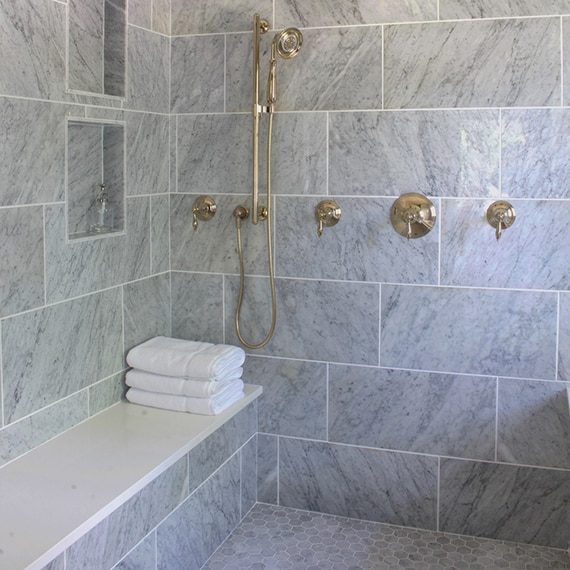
x,y
70,310
404,377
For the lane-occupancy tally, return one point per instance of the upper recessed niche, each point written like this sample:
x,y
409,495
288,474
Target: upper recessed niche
x,y
97,47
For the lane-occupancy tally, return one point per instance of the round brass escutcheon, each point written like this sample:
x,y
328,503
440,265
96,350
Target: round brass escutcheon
x,y
501,215
413,215
327,214
203,209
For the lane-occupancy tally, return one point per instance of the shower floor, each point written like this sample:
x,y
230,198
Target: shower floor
x,y
273,538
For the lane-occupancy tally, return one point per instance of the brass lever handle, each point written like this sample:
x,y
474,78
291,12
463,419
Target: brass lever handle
x,y
413,215
501,215
327,214
203,209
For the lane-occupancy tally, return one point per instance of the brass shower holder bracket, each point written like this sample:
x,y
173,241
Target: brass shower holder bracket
x,y
413,215
327,214
501,215
203,209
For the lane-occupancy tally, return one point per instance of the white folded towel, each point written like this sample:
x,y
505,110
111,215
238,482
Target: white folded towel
x,y
185,358
203,406
180,386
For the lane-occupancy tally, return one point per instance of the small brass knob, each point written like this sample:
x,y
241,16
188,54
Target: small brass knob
x,y
327,214
203,209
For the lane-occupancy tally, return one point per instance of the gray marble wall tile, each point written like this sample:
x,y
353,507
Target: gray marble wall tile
x,y
507,333
38,366
82,266
267,469
564,338
431,65
57,564
106,393
33,151
148,67
27,433
439,153
519,504
211,453
221,166
336,13
198,307
318,320
114,170
115,536
197,74
21,259
294,399
191,534
566,60
413,411
363,246
161,16
146,310
159,233
531,254
140,13
534,423
358,483
213,246
459,9
142,557
337,68
147,154
205,17
534,153
33,34
248,476
115,47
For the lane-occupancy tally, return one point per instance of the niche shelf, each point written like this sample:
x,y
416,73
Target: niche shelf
x,y
97,41
95,157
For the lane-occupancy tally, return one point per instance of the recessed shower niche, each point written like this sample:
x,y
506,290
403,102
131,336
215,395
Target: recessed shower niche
x,y
95,178
97,47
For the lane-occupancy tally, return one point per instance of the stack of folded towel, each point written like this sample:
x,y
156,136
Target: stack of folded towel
x,y
185,376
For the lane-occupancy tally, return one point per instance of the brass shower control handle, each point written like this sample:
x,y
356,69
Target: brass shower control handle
x,y
501,215
203,209
327,214
413,215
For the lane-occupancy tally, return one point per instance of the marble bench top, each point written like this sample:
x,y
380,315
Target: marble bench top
x,y
53,495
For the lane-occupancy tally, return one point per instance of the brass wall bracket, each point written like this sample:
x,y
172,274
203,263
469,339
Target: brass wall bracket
x,y
203,209
327,214
501,215
413,215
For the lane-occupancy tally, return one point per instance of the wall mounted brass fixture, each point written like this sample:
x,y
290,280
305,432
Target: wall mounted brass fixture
x,y
203,209
327,214
413,215
501,215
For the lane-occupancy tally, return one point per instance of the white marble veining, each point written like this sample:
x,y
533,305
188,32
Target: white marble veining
x,y
459,9
160,233
431,65
564,338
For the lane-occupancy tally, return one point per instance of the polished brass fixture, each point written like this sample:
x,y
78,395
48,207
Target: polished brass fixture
x,y
286,44
501,215
413,215
203,209
327,214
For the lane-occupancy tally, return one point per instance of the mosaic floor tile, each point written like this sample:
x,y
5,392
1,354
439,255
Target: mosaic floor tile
x,y
275,538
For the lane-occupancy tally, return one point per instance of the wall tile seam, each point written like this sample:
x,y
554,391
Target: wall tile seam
x,y
132,550
416,453
136,26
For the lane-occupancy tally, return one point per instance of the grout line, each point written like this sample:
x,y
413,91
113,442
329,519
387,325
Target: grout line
x,y
438,494
497,419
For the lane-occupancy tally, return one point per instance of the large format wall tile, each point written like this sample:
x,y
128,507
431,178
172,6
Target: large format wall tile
x,y
460,9
337,68
294,399
142,557
431,65
197,74
33,151
363,246
531,254
49,370
564,338
411,411
197,307
206,17
360,483
534,423
21,259
472,331
337,13
267,468
534,156
187,538
316,320
160,233
438,153
519,504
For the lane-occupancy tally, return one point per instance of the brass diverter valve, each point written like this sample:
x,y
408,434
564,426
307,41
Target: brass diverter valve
x,y
327,214
203,209
501,215
413,215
